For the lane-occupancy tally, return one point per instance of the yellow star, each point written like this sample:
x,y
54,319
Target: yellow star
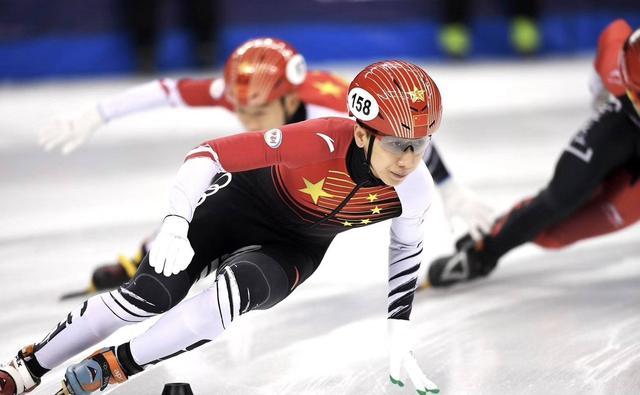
x,y
375,210
246,68
416,94
329,88
365,221
372,197
347,223
314,190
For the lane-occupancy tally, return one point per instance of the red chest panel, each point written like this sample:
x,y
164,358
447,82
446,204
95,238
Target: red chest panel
x,y
315,191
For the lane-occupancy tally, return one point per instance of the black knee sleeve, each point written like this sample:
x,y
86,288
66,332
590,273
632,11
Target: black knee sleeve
x,y
153,292
262,282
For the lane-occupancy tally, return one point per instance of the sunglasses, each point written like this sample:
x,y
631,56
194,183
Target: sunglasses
x,y
398,145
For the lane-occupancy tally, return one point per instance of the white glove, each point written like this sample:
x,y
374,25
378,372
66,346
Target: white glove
x,y
70,131
171,252
401,359
461,202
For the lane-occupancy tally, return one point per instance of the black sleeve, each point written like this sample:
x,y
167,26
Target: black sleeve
x,y
435,164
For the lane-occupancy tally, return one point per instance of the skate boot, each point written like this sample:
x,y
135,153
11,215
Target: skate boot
x,y
15,377
466,264
92,374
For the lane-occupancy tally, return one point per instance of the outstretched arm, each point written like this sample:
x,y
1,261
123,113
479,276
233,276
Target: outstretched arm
x,y
70,131
405,255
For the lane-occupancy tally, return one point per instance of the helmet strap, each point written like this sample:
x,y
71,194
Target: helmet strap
x,y
298,115
283,103
372,138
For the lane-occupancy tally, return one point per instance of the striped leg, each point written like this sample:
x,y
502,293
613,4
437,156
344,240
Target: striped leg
x,y
93,321
190,324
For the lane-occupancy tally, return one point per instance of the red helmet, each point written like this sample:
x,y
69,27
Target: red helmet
x,y
630,62
262,70
396,98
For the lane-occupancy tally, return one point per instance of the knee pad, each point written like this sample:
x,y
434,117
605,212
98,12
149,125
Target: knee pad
x,y
155,293
260,280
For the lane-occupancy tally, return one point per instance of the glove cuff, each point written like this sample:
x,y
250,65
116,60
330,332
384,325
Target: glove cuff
x,y
175,224
92,118
397,325
400,333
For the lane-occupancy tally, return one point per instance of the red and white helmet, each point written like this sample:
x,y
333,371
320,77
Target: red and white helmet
x,y
396,98
262,70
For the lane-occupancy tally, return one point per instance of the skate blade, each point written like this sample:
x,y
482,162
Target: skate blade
x,y
90,290
64,390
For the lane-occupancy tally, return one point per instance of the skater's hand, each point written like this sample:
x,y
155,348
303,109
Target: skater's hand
x,y
461,202
70,131
402,362
171,251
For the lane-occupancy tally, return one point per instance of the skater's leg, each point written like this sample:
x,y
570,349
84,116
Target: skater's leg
x,y
89,323
146,295
603,147
613,209
606,145
255,279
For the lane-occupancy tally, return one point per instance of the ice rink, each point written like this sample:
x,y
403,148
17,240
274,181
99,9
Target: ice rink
x,y
563,322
